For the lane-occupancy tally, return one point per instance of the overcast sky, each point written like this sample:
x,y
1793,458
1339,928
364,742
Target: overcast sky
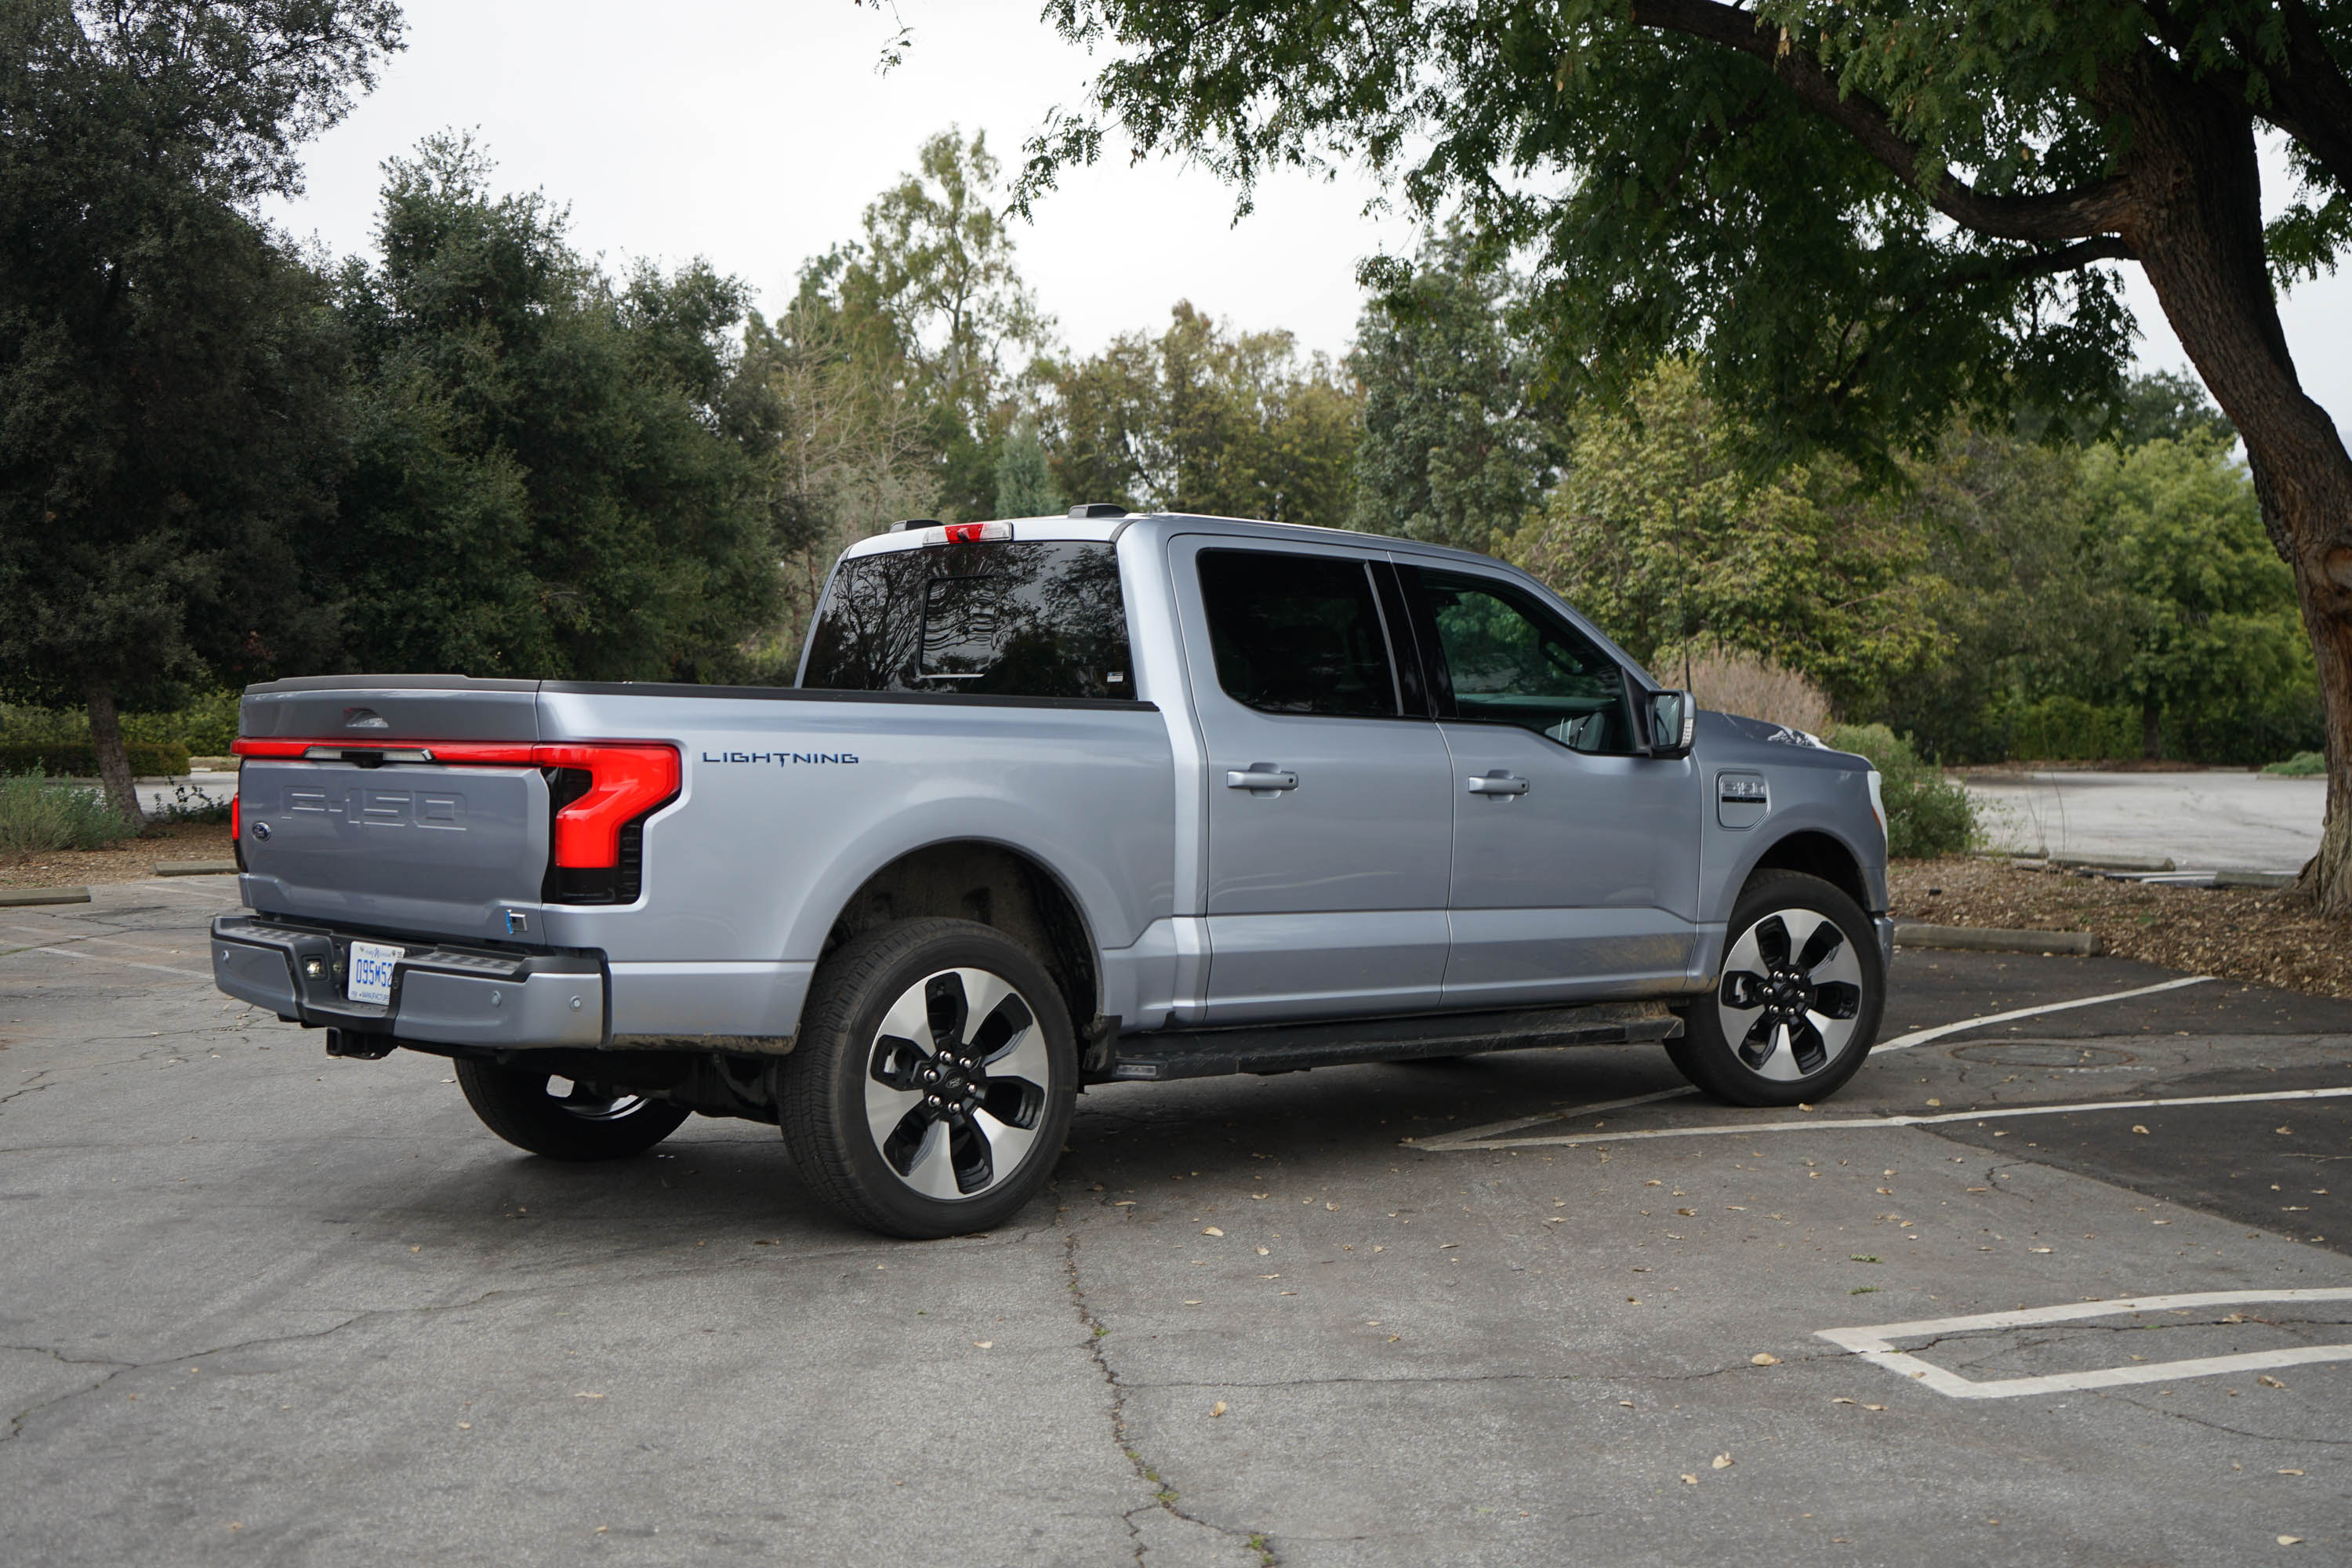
x,y
755,132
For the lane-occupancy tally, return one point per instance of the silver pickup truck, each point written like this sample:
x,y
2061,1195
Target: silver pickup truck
x,y
1054,802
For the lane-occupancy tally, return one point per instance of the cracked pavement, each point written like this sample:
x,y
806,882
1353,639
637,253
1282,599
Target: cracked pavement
x,y
263,1306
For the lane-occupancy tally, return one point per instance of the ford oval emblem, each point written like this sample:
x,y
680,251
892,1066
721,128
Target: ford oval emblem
x,y
261,832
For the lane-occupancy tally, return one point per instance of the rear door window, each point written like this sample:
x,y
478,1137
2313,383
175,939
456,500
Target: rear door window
x,y
1297,634
997,619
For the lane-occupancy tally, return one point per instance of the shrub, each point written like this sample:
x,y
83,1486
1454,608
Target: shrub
x,y
37,813
1729,682
1926,813
2067,729
2302,765
78,759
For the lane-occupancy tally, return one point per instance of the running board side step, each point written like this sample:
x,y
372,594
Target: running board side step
x,y
1293,1048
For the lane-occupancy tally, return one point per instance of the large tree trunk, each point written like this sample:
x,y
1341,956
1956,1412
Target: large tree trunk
x,y
113,759
2195,225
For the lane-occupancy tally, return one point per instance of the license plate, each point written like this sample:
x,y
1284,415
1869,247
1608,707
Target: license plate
x,y
371,972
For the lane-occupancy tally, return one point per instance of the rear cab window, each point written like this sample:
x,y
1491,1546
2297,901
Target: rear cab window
x,y
1297,634
1002,618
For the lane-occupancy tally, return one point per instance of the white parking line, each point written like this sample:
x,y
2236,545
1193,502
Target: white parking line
x,y
1450,1140
1847,1123
1874,1343
1477,1137
101,958
1921,1037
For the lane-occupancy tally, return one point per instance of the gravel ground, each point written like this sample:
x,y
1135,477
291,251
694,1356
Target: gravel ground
x,y
125,862
2275,938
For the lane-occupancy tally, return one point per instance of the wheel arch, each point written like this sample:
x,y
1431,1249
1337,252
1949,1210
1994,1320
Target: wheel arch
x,y
992,884
1815,853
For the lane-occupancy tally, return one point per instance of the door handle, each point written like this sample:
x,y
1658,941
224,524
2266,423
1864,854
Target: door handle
x,y
1260,778
1500,781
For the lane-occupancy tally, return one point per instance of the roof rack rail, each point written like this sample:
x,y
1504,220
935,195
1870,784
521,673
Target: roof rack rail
x,y
1098,508
913,522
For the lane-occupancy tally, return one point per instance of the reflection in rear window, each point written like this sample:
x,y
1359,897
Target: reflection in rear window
x,y
1041,619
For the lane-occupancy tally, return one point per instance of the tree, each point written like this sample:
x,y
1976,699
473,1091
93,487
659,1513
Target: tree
x,y
169,397
2028,607
1201,419
1453,449
1659,534
2213,621
555,474
931,289
1024,477
1860,217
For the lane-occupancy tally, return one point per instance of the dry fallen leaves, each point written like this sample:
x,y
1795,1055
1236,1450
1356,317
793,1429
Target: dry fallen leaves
x,y
1764,1358
2270,936
2269,1382
1723,1461
1690,1480
983,1344
1212,1230
1218,1408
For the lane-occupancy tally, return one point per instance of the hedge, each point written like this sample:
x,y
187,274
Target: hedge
x,y
78,759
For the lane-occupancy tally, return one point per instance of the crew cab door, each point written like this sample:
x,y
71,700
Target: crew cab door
x,y
1575,864
1330,825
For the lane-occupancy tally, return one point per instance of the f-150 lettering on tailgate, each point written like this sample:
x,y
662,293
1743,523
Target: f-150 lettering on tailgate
x,y
369,806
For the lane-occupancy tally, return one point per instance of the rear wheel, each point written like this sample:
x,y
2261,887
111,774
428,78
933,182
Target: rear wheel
x,y
933,1079
564,1118
1797,1006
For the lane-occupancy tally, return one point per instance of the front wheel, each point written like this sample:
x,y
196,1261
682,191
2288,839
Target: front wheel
x,y
562,1118
933,1079
1797,1006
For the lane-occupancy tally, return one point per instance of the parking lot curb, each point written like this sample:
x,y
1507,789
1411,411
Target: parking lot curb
x,y
10,897
2112,863
1992,939
194,867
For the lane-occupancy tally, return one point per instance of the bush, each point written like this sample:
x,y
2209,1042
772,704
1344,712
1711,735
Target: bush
x,y
2302,765
37,813
1926,813
1732,682
78,759
2066,730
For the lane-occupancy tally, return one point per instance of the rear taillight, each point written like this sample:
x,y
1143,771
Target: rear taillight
x,y
236,829
602,792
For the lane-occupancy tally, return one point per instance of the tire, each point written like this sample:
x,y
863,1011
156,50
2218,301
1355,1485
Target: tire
x,y
583,1121
933,1079
1797,1006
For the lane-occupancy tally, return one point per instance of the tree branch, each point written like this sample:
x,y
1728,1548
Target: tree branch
x,y
2060,215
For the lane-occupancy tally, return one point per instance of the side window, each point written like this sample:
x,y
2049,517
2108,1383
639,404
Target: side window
x,y
1297,634
1511,661
1004,619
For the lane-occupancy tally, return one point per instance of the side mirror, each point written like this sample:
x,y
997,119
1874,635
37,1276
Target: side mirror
x,y
1674,720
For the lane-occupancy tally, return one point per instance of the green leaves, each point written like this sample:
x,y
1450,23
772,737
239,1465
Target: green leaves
x,y
1207,420
555,473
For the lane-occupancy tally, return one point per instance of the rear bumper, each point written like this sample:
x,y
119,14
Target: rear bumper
x,y
442,994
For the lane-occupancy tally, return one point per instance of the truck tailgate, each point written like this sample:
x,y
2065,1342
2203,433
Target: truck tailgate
x,y
403,847
355,829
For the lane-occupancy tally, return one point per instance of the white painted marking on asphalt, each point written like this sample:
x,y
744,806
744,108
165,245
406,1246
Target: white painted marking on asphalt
x,y
101,958
1921,1037
1874,1343
1845,1124
1477,1137
1448,1140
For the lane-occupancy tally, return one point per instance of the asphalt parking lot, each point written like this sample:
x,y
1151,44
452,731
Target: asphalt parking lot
x,y
2065,1287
